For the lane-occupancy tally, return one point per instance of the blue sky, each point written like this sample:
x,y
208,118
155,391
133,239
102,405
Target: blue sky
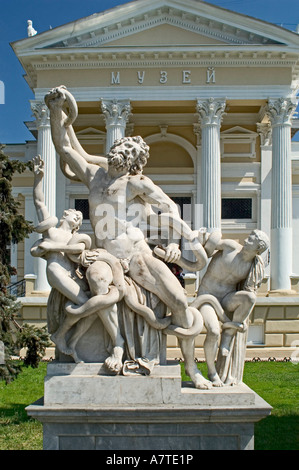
x,y
51,13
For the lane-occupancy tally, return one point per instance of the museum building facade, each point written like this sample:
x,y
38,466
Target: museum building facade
x,y
213,93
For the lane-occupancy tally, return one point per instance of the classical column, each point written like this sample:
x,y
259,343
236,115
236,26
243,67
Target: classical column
x,y
116,114
197,215
29,260
211,112
265,133
280,113
46,149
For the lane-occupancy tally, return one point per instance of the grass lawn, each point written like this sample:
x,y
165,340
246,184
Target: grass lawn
x,y
275,382
278,384
17,430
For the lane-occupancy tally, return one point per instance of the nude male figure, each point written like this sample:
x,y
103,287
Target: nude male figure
x,y
230,265
62,248
58,242
121,189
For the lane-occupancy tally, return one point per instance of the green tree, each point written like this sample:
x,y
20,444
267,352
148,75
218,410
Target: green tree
x,y
13,229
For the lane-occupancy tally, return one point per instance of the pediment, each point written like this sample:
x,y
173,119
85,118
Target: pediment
x,y
159,22
238,130
90,131
166,35
90,135
137,29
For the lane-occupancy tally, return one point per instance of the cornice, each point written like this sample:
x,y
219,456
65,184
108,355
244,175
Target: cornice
x,y
171,57
158,57
155,120
182,92
174,49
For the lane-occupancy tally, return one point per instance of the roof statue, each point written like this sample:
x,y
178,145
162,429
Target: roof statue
x,y
30,30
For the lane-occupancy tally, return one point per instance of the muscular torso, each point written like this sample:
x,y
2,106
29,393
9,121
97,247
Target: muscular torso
x,y
227,268
57,260
112,205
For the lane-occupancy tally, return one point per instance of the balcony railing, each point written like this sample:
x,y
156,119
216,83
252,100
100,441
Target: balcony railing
x,y
18,289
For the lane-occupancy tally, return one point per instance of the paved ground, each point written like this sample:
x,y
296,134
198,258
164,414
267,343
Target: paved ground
x,y
255,353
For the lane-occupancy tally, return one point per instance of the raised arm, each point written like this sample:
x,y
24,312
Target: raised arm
x,y
74,161
38,195
99,160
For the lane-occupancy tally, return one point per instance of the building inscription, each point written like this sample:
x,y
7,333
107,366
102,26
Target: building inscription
x,y
162,76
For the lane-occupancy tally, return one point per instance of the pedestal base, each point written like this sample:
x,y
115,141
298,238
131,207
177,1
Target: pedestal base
x,y
84,409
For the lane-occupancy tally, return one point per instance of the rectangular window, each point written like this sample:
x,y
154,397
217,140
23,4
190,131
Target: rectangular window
x,y
184,206
236,208
255,334
82,205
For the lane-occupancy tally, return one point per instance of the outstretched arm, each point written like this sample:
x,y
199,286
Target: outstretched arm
x,y
38,195
168,218
41,248
169,214
75,162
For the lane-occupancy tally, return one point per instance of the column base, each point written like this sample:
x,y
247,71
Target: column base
x,y
39,293
282,293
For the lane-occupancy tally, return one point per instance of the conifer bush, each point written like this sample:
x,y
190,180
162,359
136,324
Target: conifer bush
x,y
14,229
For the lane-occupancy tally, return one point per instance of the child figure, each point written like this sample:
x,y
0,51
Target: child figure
x,y
63,249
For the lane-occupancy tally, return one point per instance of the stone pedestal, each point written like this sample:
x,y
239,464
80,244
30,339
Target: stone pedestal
x,y
84,408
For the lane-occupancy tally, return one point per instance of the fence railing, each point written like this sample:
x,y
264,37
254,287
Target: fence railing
x,y
18,289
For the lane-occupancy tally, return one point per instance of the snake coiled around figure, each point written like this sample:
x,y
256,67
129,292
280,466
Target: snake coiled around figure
x,y
120,289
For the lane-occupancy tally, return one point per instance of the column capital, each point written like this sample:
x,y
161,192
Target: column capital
x,y
265,132
280,111
116,112
211,111
197,132
41,113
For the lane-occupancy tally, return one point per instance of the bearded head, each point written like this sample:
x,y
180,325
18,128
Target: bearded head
x,y
129,153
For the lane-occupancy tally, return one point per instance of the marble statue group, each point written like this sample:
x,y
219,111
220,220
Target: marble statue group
x,y
117,278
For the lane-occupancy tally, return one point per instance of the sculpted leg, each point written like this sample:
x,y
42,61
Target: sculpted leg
x,y
211,342
109,318
81,328
156,277
61,280
100,276
240,304
60,335
70,289
103,304
187,348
